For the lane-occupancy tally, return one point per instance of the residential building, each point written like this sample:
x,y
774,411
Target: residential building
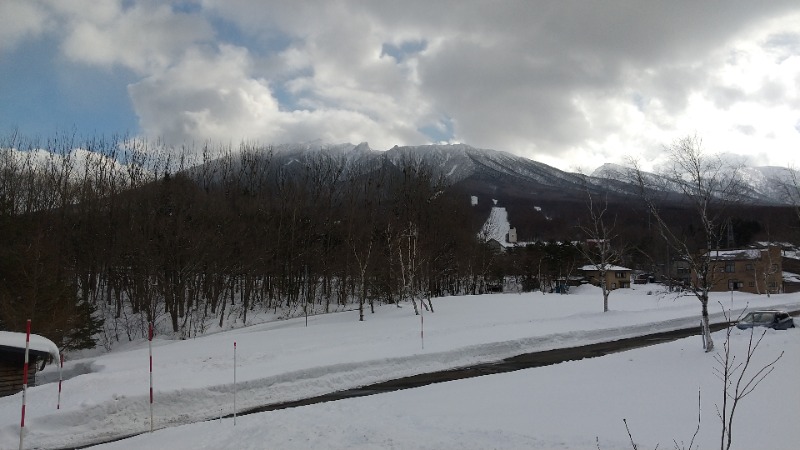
x,y
680,272
790,263
752,270
791,282
616,276
511,237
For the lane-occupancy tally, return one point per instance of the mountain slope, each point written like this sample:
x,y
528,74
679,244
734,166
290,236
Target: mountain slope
x,y
499,173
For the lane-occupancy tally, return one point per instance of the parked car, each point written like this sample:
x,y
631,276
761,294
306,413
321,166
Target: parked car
x,y
770,318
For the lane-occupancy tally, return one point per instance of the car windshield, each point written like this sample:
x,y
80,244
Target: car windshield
x,y
759,317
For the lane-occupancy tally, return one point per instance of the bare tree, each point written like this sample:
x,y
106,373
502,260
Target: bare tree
x,y
770,269
415,196
600,230
737,382
709,184
739,379
362,210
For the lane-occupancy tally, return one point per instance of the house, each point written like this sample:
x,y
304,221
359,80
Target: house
x,y
790,264
511,236
752,270
791,282
680,272
641,277
790,260
616,276
12,359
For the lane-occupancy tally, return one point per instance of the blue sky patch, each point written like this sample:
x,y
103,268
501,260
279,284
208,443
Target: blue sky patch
x,y
41,93
404,50
439,132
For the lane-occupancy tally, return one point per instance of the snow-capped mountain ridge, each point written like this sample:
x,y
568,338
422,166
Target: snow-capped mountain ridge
x,y
492,171
764,184
459,161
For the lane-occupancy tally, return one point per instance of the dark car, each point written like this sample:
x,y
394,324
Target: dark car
x,y
770,318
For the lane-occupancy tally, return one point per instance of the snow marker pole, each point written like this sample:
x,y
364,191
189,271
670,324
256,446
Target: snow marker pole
x,y
60,378
234,383
150,346
422,330
25,381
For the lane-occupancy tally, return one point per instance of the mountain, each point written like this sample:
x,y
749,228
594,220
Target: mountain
x,y
491,171
502,175
482,172
768,181
759,185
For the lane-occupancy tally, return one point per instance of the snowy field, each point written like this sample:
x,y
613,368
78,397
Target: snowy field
x,y
573,405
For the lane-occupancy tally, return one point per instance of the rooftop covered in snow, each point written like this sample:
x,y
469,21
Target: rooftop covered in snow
x,y
608,267
743,253
13,342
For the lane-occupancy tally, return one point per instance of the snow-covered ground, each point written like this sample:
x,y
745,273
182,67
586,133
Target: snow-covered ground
x,y
569,405
496,226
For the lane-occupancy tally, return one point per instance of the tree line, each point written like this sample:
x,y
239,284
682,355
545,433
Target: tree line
x,y
102,236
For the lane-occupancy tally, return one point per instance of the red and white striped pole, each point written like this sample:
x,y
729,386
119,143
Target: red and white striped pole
x,y
25,381
60,377
234,383
150,345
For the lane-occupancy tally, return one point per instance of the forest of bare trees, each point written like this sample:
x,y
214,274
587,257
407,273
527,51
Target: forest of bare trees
x,y
99,237
102,240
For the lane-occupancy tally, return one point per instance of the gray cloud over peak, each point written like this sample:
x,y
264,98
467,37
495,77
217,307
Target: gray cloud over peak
x,y
541,78
560,81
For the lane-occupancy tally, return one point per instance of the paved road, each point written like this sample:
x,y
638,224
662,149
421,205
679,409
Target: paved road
x,y
519,362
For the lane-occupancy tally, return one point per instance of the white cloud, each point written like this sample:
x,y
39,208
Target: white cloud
x,y
207,95
342,88
145,37
215,96
560,82
20,19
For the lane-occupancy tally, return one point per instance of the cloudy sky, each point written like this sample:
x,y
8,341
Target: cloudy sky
x,y
573,84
